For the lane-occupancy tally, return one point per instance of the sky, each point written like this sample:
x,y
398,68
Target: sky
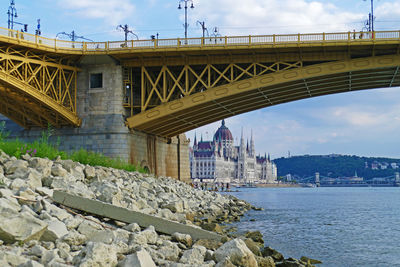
x,y
365,123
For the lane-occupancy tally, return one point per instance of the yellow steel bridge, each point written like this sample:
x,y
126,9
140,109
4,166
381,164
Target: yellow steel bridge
x,y
175,85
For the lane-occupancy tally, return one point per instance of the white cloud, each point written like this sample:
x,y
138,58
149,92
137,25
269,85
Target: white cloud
x,y
112,11
388,9
356,118
360,115
273,16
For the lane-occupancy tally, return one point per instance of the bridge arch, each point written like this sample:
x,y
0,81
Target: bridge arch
x,y
36,89
190,112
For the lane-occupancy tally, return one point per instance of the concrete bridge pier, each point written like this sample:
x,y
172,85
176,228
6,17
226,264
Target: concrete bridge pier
x,y
397,179
100,95
317,182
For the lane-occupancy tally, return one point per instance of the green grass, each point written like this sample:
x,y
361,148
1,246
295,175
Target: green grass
x,y
44,149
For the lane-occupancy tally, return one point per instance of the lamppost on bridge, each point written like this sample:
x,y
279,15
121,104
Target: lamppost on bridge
x,y
371,18
38,31
203,27
126,30
185,7
216,34
12,14
73,36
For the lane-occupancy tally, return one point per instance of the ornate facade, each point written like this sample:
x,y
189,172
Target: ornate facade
x,y
220,161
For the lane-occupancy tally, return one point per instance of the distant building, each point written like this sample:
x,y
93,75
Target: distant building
x,y
374,166
384,166
220,161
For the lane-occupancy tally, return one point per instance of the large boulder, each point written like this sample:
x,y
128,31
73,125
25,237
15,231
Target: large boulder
x,y
265,262
58,171
225,263
42,165
16,167
54,231
169,250
236,252
208,243
8,203
140,258
89,228
96,254
73,238
33,178
12,257
291,263
273,253
256,236
174,206
148,236
182,238
253,246
55,211
109,193
215,227
132,227
309,260
90,172
20,226
194,256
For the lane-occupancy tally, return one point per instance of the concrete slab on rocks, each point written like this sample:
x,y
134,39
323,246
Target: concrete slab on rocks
x,y
129,216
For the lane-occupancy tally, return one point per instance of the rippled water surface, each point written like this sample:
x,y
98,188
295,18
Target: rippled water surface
x,y
350,226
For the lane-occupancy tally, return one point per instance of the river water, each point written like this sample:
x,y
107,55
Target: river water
x,y
347,226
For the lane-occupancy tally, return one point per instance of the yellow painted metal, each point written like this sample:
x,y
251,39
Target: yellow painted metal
x,y
166,84
174,85
41,87
194,44
236,97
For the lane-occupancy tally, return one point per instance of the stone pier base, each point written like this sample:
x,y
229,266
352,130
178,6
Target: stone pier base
x,y
161,156
100,95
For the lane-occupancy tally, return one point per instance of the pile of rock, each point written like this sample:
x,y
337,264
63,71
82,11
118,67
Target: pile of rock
x,y
35,231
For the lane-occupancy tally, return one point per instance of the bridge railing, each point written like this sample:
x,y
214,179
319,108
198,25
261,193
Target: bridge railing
x,y
222,41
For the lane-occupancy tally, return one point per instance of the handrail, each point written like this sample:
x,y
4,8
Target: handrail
x,y
227,41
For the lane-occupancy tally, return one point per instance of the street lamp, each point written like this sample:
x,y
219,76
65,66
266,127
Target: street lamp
x,y
216,34
12,13
73,36
186,7
371,17
126,30
203,27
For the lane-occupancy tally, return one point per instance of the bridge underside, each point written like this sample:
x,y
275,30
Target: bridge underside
x,y
27,111
201,108
37,88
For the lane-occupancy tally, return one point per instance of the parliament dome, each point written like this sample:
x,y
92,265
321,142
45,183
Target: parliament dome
x,y
223,133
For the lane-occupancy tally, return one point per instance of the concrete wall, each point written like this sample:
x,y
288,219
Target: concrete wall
x,y
161,155
103,125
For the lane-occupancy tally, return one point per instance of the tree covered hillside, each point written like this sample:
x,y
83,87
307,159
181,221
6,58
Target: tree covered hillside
x,y
337,166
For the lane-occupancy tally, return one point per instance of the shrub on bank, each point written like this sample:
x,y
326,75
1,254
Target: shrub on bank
x,y
44,149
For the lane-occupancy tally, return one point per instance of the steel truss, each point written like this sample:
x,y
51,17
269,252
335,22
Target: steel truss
x,y
37,89
163,84
268,89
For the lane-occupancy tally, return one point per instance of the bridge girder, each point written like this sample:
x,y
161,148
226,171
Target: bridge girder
x,y
37,88
258,91
175,85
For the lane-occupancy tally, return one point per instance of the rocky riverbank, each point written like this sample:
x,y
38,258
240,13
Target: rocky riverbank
x,y
36,231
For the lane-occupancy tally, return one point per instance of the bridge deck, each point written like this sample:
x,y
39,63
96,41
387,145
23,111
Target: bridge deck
x,y
190,44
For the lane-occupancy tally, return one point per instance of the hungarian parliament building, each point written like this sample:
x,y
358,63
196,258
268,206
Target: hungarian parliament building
x,y
220,161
